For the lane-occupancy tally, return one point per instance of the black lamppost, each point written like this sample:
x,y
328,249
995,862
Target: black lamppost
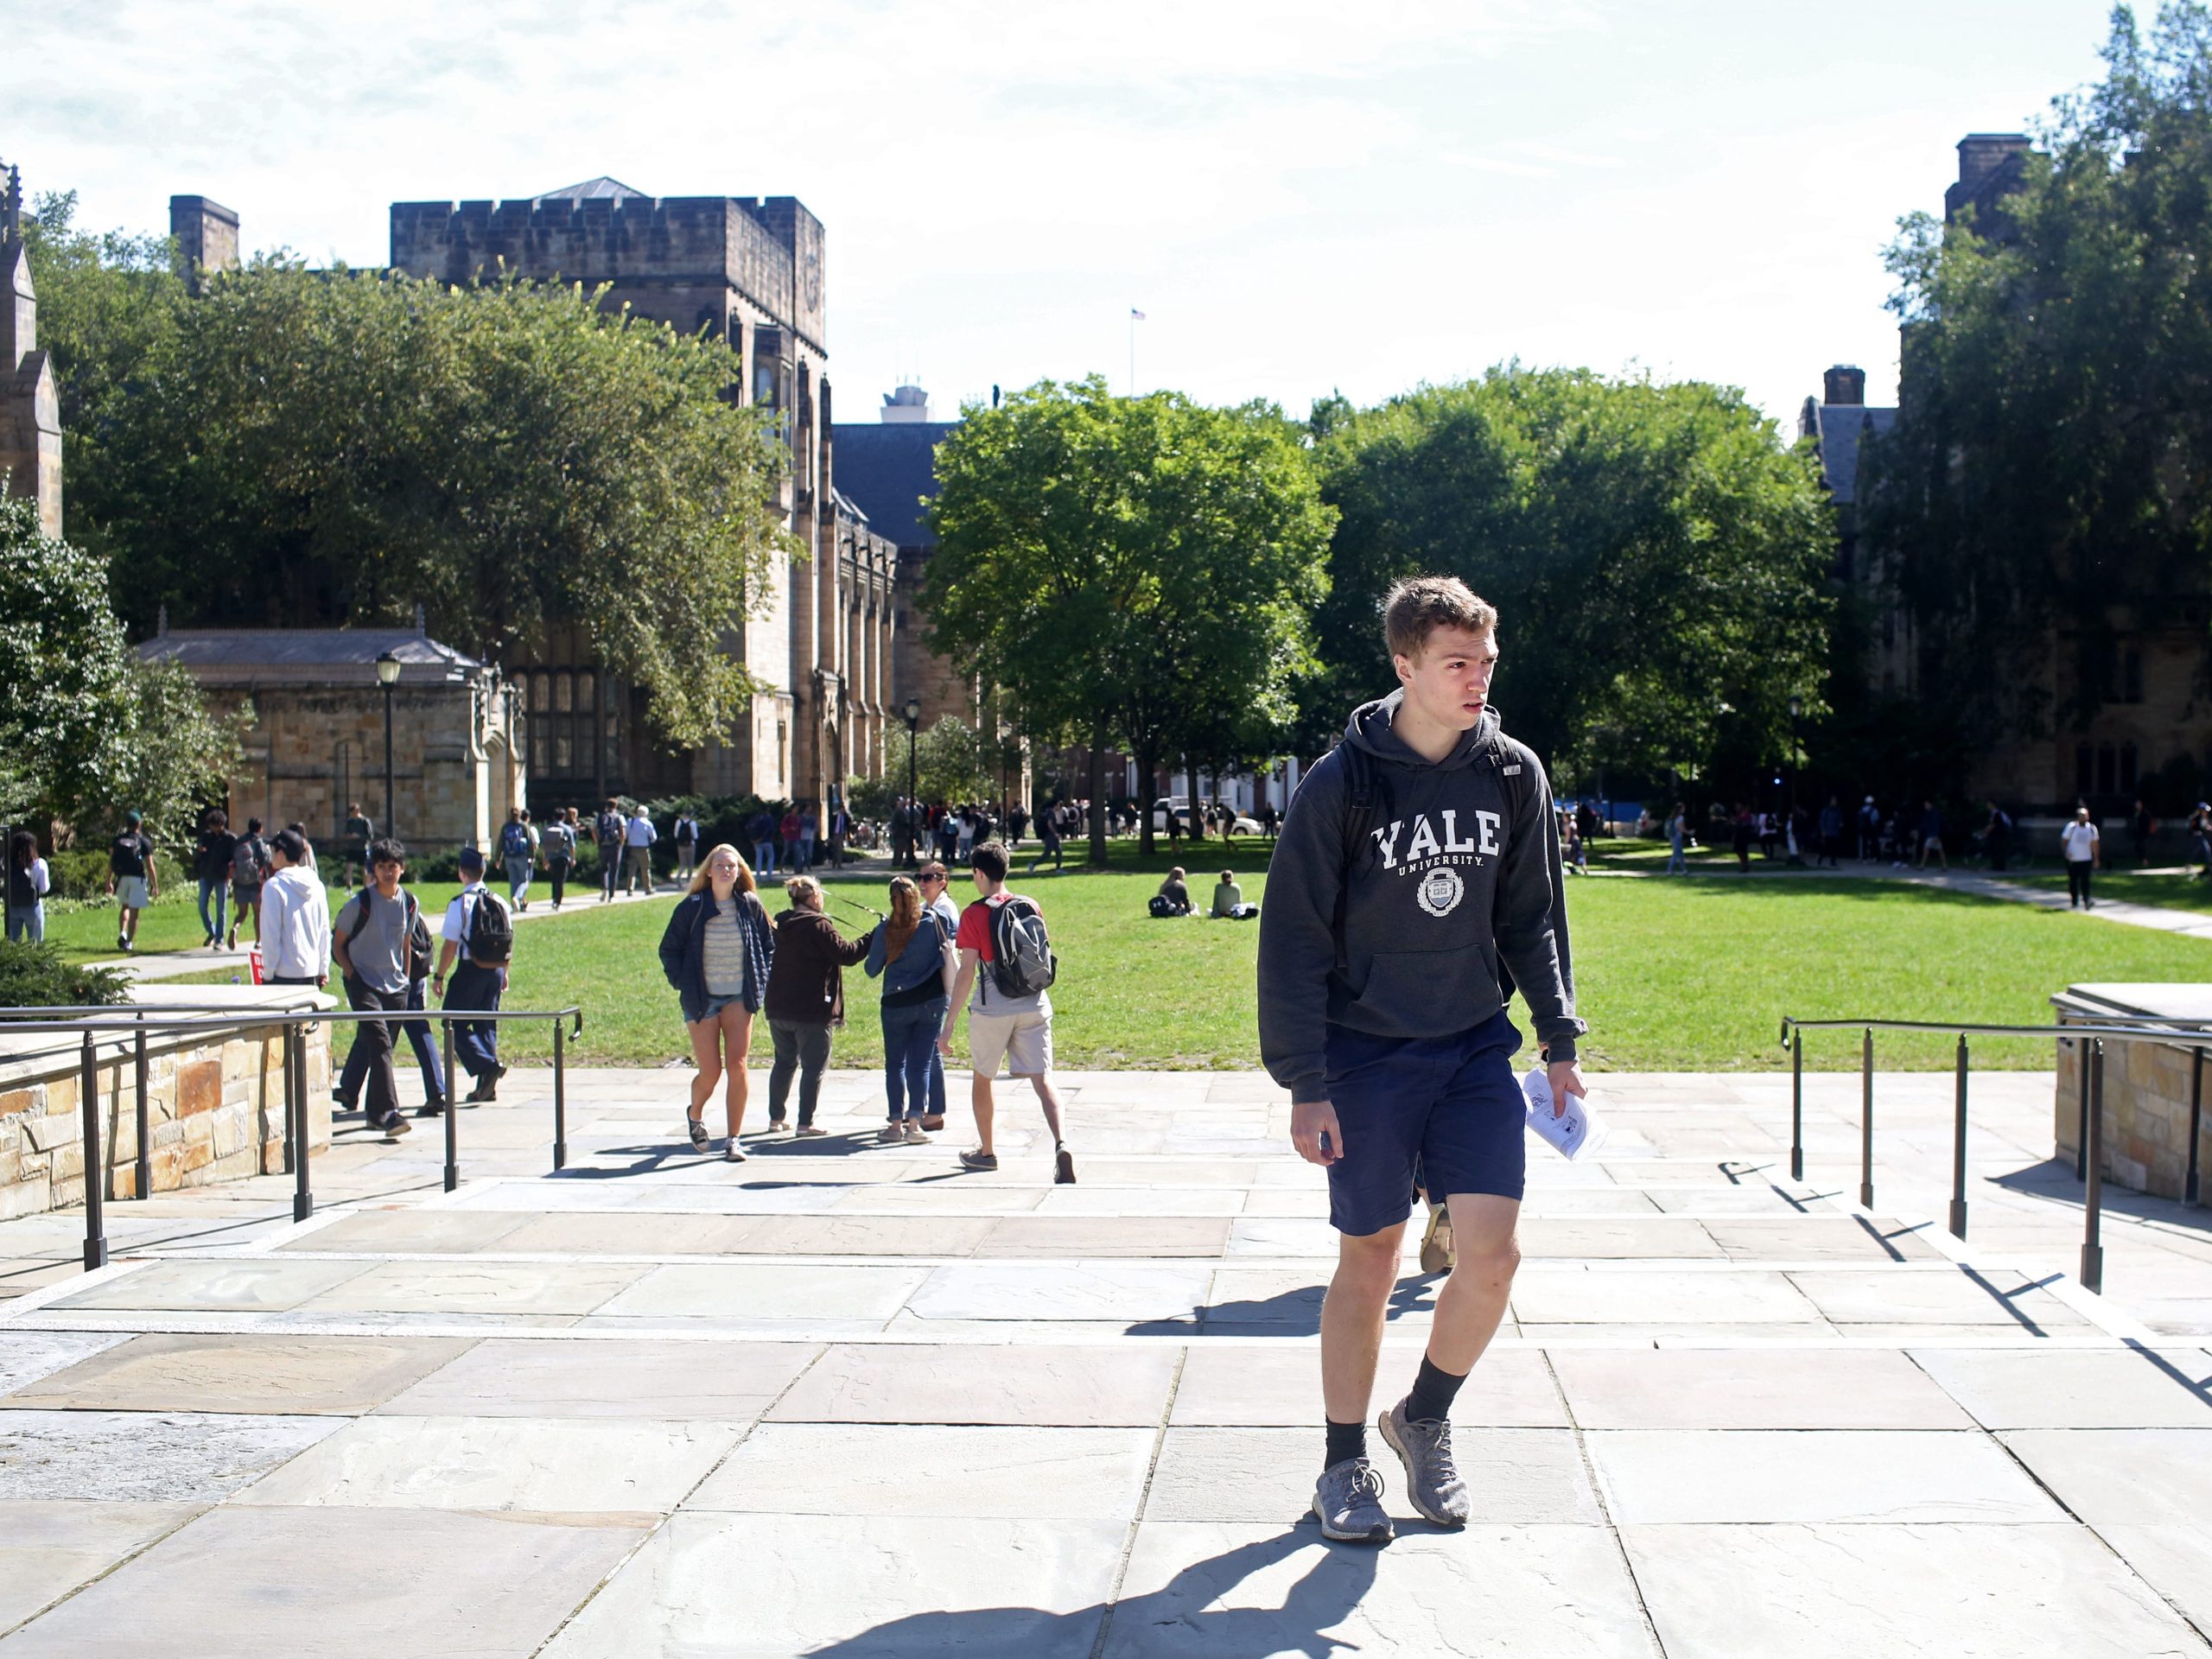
x,y
1796,749
913,715
388,677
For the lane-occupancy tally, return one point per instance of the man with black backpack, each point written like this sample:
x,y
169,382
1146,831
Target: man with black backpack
x,y
1419,867
353,921
370,941
1006,957
478,929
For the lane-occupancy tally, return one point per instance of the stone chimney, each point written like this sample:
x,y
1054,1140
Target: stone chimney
x,y
1989,166
206,235
1844,384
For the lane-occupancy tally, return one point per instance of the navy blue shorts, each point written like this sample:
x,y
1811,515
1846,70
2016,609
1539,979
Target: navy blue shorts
x,y
1449,1105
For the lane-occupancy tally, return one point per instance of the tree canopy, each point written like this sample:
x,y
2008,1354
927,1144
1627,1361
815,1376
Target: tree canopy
x,y
2053,455
294,448
1655,554
87,730
1128,569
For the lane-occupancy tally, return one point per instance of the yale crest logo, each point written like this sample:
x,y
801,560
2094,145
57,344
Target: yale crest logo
x,y
1441,891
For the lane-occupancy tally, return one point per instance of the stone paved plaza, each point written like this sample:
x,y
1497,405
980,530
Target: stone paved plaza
x,y
843,1399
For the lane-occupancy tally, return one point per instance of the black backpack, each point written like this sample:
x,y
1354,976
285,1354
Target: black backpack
x,y
491,941
1022,962
418,933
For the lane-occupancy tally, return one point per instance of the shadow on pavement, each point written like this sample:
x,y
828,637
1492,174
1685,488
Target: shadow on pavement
x,y
1184,1616
1288,1313
2053,1179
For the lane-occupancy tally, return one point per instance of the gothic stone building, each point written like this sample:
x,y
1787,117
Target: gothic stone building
x,y
30,413
749,271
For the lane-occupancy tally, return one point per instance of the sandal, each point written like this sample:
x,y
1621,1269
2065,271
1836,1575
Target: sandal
x,y
701,1141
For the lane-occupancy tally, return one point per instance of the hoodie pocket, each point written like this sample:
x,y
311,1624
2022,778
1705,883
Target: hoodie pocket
x,y
1429,993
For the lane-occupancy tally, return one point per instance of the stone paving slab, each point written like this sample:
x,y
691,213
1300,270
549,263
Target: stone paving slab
x,y
1924,1591
194,1286
535,1465
145,1457
437,1288
2136,1388
1212,1590
1123,1386
767,1291
717,1382
327,1582
761,1586
2124,1476
977,1473
51,1547
27,1356
301,1375
1772,1477
410,1231
1740,1389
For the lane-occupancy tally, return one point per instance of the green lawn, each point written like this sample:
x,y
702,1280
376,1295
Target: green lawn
x,y
87,934
1688,975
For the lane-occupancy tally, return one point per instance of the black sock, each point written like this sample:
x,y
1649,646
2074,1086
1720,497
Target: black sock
x,y
1345,1440
1434,1391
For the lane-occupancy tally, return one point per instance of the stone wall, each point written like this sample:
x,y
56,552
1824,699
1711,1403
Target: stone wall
x,y
2146,1095
215,1111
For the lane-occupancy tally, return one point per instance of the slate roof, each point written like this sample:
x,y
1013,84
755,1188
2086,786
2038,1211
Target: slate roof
x,y
1840,427
592,190
307,654
887,469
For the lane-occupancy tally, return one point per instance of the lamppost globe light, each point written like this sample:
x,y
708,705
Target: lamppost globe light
x,y
388,677
388,667
913,711
1797,707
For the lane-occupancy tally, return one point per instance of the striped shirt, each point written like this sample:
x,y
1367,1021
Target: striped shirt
x,y
723,953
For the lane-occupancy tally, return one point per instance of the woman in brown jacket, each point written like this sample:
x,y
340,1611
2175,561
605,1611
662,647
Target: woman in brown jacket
x,y
806,996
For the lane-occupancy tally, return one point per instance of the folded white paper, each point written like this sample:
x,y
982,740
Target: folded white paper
x,y
1571,1133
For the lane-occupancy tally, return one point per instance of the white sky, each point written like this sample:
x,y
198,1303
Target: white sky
x,y
1301,196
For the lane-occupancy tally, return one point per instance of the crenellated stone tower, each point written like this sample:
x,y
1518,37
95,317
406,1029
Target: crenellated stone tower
x,y
31,412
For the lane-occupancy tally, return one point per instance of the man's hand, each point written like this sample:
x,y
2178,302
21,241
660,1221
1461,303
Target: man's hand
x,y
1310,1121
1566,1078
945,1044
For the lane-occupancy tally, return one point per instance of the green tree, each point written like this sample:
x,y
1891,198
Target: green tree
x,y
1655,554
1127,568
87,729
2053,458
316,447
108,304
951,763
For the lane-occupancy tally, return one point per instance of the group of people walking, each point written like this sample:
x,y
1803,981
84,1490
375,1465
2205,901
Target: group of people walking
x,y
730,963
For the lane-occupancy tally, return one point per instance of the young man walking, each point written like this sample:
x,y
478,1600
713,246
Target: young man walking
x,y
1012,1012
369,941
482,935
131,878
292,916
1418,867
606,836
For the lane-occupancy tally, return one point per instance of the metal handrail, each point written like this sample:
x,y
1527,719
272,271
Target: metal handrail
x,y
2193,1036
138,1022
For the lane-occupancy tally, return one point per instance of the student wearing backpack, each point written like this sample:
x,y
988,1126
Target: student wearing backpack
x,y
356,1071
687,845
907,950
479,931
369,943
606,835
249,869
1418,868
559,846
1006,957
515,853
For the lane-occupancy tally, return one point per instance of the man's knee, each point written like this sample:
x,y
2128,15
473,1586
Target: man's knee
x,y
1487,1264
1367,1264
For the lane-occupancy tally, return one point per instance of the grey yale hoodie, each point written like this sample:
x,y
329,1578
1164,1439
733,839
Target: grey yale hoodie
x,y
1457,875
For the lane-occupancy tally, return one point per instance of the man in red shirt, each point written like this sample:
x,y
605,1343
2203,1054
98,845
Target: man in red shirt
x,y
1018,1027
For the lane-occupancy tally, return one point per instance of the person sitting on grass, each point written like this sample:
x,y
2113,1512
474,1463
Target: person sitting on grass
x,y
1173,897
1229,900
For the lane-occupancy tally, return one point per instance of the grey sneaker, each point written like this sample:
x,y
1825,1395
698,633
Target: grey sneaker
x,y
1348,1502
1433,1482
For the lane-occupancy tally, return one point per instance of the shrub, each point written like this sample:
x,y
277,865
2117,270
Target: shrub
x,y
35,977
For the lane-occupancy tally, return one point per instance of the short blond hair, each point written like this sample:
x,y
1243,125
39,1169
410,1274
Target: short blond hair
x,y
1416,607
